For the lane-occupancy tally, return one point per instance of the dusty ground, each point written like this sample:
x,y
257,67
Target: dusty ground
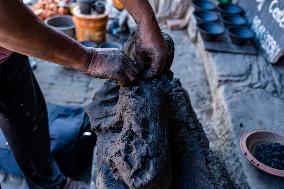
x,y
69,87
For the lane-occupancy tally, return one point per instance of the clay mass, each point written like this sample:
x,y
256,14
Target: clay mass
x,y
149,136
271,154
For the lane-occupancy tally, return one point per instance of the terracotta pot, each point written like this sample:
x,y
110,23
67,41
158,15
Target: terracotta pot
x,y
117,4
248,142
90,27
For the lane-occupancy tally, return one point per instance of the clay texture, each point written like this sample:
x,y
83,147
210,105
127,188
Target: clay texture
x,y
149,136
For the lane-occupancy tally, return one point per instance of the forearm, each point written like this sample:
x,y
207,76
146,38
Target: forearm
x,y
145,18
21,31
149,37
140,10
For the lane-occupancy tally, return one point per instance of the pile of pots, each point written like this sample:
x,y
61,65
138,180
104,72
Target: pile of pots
x,y
88,24
45,9
216,21
91,6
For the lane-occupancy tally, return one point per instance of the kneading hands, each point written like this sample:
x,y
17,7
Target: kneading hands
x,y
21,31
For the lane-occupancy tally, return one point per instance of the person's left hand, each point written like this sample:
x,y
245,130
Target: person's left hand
x,y
150,49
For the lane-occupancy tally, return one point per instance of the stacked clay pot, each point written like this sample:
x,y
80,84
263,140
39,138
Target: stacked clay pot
x,y
48,8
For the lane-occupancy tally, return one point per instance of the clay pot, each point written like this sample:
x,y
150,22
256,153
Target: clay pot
x,y
240,35
90,27
111,45
89,44
251,139
230,9
211,31
234,20
86,6
100,7
62,23
117,4
206,16
203,5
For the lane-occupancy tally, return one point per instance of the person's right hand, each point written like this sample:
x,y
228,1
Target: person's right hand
x,y
113,64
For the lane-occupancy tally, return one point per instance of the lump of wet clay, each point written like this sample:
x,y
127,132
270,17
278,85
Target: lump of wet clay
x,y
270,154
148,136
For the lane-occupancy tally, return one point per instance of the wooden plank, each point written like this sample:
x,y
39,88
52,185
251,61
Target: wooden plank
x,y
230,48
226,46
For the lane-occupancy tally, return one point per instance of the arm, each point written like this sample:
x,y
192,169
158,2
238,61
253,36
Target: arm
x,y
21,31
149,37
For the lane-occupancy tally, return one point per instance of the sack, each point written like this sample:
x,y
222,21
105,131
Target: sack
x,y
70,145
169,9
174,13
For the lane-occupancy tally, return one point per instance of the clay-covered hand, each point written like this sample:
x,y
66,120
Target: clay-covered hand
x,y
151,49
112,64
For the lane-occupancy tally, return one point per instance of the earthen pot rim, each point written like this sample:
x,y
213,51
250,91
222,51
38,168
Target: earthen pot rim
x,y
77,14
72,26
250,157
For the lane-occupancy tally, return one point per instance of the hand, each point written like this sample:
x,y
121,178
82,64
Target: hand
x,y
150,49
112,64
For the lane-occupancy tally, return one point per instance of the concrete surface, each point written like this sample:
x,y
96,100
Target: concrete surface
x,y
65,86
247,95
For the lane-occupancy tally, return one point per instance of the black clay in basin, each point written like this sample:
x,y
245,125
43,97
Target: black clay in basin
x,y
211,31
234,20
204,5
230,9
240,35
205,16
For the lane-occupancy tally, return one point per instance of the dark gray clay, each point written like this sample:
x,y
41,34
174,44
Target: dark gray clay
x,y
100,7
240,35
230,9
234,20
206,16
204,5
63,23
211,31
85,6
149,136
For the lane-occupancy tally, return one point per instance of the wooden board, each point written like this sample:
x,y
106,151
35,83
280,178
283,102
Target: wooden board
x,y
226,46
267,19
